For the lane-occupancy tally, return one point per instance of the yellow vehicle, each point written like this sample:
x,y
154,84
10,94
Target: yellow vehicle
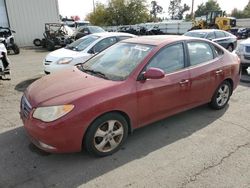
x,y
215,20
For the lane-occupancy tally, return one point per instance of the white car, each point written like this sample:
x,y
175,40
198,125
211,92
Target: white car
x,y
81,50
243,51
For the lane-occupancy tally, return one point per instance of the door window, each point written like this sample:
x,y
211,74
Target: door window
x,y
199,52
105,43
220,34
169,59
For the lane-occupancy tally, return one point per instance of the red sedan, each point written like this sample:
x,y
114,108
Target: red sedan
x,y
129,85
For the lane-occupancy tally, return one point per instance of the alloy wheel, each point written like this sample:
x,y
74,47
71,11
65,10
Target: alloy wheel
x,y
223,95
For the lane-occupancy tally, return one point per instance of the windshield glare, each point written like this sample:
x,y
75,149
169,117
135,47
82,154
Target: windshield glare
x,y
94,29
118,61
196,34
82,43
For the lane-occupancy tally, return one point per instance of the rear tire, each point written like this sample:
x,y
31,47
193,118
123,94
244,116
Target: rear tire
x,y
221,96
37,42
16,49
106,135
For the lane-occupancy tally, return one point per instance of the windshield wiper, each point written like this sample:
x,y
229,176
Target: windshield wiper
x,y
98,73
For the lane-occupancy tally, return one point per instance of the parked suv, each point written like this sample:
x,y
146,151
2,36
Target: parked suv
x,y
243,51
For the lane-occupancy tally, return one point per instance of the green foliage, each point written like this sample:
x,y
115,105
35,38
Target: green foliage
x,y
156,9
176,11
245,13
120,12
210,5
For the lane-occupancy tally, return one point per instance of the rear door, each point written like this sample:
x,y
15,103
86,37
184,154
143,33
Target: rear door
x,y
205,72
221,38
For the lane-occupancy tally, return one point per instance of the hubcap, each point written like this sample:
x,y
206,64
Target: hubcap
x,y
223,95
108,136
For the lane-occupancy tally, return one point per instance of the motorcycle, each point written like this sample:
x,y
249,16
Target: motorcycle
x,y
4,63
7,38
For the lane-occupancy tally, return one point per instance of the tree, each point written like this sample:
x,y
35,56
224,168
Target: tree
x,y
210,5
237,13
176,11
182,10
156,9
119,12
174,8
246,10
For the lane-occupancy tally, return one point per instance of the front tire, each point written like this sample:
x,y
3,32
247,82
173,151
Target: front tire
x,y
106,134
15,49
221,96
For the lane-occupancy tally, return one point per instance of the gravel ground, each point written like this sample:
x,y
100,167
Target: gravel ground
x,y
197,148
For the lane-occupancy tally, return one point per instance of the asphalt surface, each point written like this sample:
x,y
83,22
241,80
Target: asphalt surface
x,y
197,148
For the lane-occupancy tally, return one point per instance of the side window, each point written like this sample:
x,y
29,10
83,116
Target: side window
x,y
218,52
123,38
169,59
199,52
105,43
220,34
210,36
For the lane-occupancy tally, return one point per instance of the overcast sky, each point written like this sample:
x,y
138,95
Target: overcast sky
x,y
83,7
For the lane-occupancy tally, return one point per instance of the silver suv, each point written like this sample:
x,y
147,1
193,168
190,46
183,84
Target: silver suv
x,y
243,51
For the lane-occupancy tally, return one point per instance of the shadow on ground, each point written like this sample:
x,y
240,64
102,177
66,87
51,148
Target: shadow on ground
x,y
24,84
23,165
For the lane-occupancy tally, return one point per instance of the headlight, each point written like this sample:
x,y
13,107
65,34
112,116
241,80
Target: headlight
x,y
65,60
52,113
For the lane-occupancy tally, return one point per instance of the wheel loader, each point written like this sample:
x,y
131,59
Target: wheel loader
x,y
215,20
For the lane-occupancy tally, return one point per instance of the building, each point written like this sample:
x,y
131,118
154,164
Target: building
x,y
27,18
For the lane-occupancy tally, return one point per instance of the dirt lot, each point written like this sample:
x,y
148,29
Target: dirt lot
x,y
197,148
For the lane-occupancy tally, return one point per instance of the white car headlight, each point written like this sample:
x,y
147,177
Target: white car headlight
x,y
65,60
52,113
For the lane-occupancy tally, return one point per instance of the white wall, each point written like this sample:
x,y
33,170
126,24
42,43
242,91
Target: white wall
x,y
3,15
27,18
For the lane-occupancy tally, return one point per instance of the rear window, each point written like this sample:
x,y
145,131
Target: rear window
x,y
196,34
220,34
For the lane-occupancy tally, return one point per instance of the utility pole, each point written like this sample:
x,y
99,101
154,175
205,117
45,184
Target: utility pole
x,y
192,10
93,5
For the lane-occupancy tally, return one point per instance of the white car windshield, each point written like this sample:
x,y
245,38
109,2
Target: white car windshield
x,y
82,43
116,63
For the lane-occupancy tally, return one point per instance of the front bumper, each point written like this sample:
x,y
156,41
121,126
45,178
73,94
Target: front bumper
x,y
61,136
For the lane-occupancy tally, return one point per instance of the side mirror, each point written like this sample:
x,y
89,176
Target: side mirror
x,y
154,73
92,51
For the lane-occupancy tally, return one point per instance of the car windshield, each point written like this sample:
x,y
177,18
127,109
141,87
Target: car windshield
x,y
116,63
82,43
95,29
196,34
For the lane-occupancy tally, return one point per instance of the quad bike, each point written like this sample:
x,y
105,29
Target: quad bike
x,y
4,63
56,34
7,38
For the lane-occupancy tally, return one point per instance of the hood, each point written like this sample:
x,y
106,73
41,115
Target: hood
x,y
60,53
64,87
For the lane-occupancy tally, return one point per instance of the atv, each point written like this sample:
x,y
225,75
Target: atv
x,y
7,38
55,35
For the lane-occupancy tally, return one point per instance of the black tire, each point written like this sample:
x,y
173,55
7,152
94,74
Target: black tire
x,y
230,48
16,49
50,45
218,96
43,43
103,124
37,42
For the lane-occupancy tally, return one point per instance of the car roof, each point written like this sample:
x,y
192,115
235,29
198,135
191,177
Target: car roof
x,y
205,30
157,39
110,34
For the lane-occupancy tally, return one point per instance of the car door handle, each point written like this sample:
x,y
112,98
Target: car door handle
x,y
218,72
183,82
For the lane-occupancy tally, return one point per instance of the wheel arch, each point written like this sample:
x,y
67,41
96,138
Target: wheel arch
x,y
231,83
124,114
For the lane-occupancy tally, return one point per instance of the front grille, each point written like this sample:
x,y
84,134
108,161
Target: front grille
x,y
247,57
248,49
47,62
25,107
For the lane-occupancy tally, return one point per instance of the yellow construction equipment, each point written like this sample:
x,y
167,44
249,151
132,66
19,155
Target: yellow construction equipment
x,y
214,20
